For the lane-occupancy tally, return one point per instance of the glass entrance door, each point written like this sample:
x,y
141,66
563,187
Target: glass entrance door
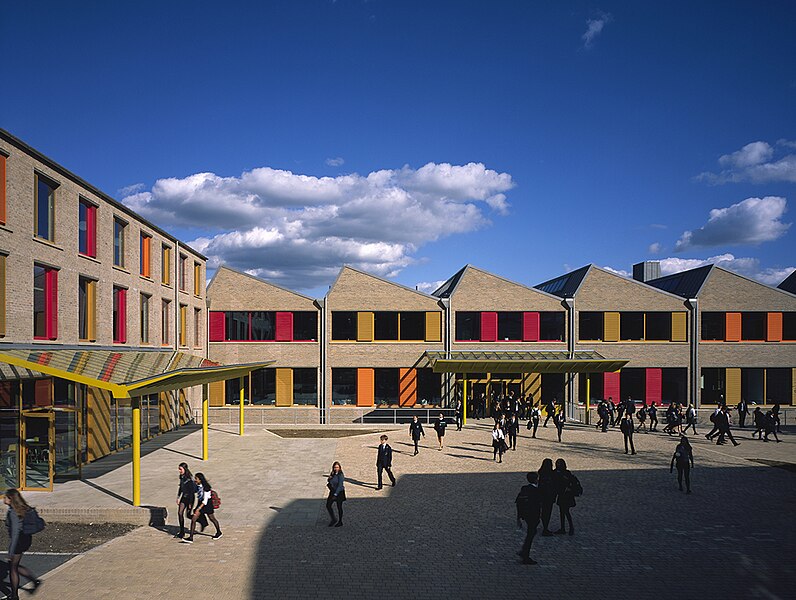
x,y
38,451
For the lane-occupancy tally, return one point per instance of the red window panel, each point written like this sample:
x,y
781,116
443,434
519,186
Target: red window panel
x,y
611,386
489,327
51,303
91,231
120,335
41,392
530,327
217,326
654,378
284,327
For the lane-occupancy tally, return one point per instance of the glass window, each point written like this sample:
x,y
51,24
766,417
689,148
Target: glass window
x,y
713,385
385,326
87,229
9,432
144,318
753,326
713,324
197,326
633,383
385,386
658,326
429,387
468,326
165,324
789,326
45,208
344,386
153,413
118,242
183,325
305,387
233,390
45,302
86,308
674,385
305,326
510,326
413,326
263,325
124,422
590,325
552,326
631,326
63,392
344,325
263,388
237,325
183,261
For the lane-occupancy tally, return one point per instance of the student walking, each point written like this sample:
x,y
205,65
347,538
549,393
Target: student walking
x,y
529,510
514,430
653,414
775,414
714,419
415,431
459,415
204,507
336,484
19,541
439,427
186,496
498,443
690,418
760,423
770,426
683,459
626,427
533,422
558,420
550,408
743,411
384,460
641,415
620,410
567,487
547,489
723,423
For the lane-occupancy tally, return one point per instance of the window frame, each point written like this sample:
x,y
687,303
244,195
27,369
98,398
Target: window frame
x,y
119,315
90,227
145,254
40,178
165,264
50,300
144,312
118,252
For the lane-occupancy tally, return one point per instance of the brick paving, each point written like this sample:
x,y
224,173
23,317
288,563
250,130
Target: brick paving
x,y
448,528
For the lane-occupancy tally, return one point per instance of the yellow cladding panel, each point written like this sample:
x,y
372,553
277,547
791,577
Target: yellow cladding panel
x,y
364,326
611,327
679,320
166,411
284,387
434,326
99,423
217,395
733,384
185,407
532,386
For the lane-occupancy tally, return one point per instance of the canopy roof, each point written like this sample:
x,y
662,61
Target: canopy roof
x,y
541,361
126,373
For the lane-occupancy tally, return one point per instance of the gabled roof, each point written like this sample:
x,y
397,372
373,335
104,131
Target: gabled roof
x,y
687,284
376,277
565,286
789,284
257,279
447,288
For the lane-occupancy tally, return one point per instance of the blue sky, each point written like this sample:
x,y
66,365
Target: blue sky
x,y
411,138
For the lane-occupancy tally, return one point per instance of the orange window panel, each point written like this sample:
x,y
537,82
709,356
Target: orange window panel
x,y
146,243
774,327
732,330
365,386
407,387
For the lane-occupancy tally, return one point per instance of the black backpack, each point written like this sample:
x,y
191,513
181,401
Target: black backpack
x,y
32,522
573,486
523,502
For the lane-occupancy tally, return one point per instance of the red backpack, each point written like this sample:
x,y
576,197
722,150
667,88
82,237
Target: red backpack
x,y
215,499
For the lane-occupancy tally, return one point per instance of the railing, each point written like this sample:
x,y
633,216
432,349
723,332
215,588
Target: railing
x,y
230,415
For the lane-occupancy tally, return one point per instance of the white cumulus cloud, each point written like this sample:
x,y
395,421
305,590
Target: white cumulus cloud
x,y
594,27
655,248
429,286
752,221
748,267
754,162
297,230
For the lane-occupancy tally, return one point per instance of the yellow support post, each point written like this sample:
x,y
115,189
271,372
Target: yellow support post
x,y
464,402
205,448
136,403
588,399
240,403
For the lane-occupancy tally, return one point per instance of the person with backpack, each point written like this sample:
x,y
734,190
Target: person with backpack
x,y
415,431
653,414
498,442
690,418
550,408
186,496
714,420
567,487
627,428
533,422
759,419
22,521
205,506
547,488
529,507
439,427
683,459
641,415
558,420
770,426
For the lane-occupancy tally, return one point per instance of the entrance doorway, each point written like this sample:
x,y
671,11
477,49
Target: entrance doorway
x,y
38,450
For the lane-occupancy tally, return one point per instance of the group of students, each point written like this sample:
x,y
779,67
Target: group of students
x,y
195,500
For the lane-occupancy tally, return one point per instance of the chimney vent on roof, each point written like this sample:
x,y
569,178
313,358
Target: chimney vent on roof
x,y
647,270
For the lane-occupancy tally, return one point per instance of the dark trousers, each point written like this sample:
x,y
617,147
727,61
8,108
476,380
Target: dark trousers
x,y
529,535
389,474
692,426
459,419
629,437
416,440
653,423
549,416
564,513
535,425
684,472
547,511
332,500
559,428
713,431
513,441
725,431
742,420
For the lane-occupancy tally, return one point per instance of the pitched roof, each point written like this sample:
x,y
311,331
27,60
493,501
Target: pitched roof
x,y
789,284
565,286
377,278
687,284
224,267
447,288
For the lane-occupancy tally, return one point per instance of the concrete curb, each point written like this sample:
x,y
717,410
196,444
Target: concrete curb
x,y
154,516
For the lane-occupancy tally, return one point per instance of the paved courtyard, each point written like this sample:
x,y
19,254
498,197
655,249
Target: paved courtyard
x,y
447,530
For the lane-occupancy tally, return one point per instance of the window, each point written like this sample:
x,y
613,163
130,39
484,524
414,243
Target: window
x,y
263,326
144,258
413,326
237,325
631,326
2,293
197,279
305,326
789,326
3,192
183,261
44,208
263,388
713,324
87,229
510,326
305,387
344,386
87,309
658,326
468,326
197,326
590,326
144,310
385,326
552,326
119,315
183,325
118,242
344,325
385,386
753,326
165,265
45,303
429,387
165,322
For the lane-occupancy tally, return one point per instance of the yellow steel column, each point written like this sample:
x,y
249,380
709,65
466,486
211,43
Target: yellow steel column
x,y
241,397
464,402
136,404
588,398
205,449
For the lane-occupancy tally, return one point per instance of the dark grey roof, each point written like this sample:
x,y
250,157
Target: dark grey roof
x,y
789,285
685,283
446,289
565,286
